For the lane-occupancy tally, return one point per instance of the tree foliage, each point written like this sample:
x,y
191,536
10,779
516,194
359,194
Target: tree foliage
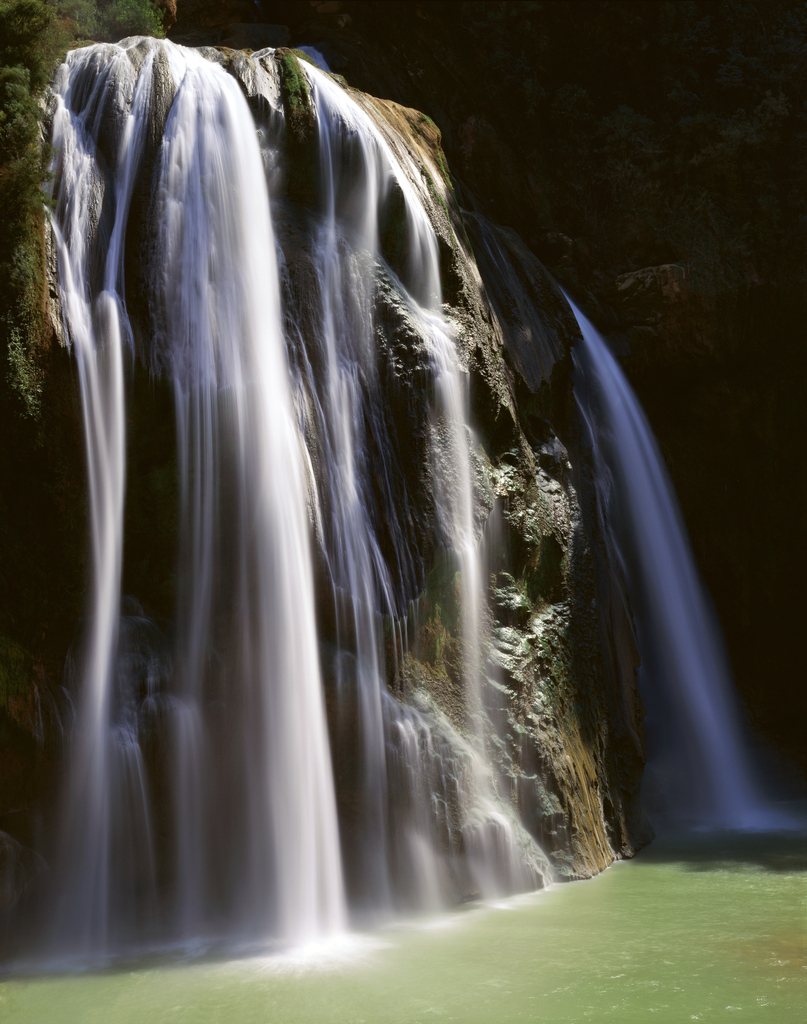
x,y
34,36
110,20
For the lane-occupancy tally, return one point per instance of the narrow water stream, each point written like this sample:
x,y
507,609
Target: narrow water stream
x,y
707,927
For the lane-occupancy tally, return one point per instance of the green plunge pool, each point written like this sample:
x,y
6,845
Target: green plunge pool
x,y
702,927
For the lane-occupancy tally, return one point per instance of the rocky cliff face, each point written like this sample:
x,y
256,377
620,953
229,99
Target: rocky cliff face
x,y
567,738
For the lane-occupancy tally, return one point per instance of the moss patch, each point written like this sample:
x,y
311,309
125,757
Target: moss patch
x,y
301,137
300,55
296,97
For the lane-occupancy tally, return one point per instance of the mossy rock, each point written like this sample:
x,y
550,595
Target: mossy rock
x,y
301,136
300,55
296,97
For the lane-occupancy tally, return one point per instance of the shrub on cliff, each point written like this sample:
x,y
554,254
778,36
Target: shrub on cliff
x,y
41,481
29,46
111,20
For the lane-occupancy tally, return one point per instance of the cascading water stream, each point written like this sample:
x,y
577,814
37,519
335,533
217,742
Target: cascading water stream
x,y
98,329
357,567
363,178
678,636
247,587
222,328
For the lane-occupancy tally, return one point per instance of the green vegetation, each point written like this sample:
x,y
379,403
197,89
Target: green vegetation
x,y
444,171
295,95
438,198
442,627
301,55
33,38
29,48
295,88
110,20
42,514
302,180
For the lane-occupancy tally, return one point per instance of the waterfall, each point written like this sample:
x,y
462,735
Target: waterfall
x,y
709,774
201,801
98,329
218,284
247,588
